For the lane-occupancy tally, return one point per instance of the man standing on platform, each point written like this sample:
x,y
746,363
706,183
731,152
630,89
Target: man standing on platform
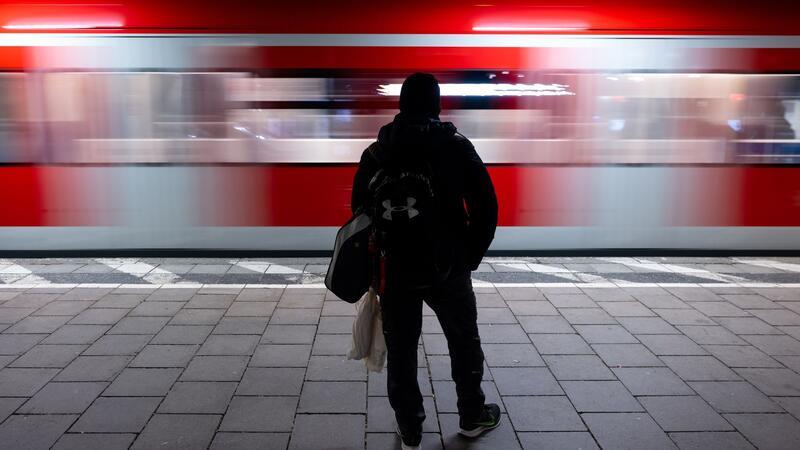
x,y
434,212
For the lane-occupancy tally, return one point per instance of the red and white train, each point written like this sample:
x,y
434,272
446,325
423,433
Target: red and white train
x,y
203,125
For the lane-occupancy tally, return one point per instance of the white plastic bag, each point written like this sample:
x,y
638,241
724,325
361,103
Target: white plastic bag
x,y
368,342
377,350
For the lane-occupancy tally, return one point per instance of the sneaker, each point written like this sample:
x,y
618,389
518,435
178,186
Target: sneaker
x,y
488,420
410,441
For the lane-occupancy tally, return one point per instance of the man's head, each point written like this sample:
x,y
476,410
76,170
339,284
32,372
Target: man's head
x,y
420,95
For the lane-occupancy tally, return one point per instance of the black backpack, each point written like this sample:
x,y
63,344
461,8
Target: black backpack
x,y
404,209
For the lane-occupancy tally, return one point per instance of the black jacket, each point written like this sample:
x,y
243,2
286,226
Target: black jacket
x,y
469,203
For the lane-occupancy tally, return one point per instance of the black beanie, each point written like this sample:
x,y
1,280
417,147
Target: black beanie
x,y
420,95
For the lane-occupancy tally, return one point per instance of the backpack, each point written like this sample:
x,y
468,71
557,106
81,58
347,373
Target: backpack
x,y
404,210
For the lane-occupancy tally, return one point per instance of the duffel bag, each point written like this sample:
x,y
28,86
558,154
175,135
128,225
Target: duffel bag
x,y
349,270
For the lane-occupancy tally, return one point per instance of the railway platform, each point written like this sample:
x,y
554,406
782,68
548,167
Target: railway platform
x,y
581,352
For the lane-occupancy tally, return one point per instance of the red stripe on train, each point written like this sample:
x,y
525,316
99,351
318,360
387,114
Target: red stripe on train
x,y
14,58
425,58
473,58
298,195
23,202
412,16
770,196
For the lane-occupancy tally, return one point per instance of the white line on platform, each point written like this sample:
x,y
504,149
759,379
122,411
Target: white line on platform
x,y
553,271
544,268
675,268
267,286
253,266
223,286
788,267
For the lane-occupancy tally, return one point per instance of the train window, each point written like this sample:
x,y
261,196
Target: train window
x,y
191,105
315,117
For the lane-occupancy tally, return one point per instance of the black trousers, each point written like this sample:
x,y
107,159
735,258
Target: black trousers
x,y
454,305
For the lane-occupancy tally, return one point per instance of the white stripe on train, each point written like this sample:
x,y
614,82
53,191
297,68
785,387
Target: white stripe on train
x,y
321,238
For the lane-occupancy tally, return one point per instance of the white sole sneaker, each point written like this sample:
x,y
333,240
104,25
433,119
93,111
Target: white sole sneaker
x,y
475,432
403,446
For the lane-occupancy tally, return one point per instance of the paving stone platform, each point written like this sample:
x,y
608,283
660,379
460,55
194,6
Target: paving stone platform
x,y
579,362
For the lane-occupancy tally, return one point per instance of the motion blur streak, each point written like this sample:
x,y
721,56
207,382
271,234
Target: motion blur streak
x,y
233,117
487,89
168,133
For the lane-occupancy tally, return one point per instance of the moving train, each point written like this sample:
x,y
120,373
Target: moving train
x,y
139,125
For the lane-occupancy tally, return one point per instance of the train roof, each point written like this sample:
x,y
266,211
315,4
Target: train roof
x,y
657,17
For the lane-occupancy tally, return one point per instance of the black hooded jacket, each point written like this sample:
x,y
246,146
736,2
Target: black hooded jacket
x,y
467,198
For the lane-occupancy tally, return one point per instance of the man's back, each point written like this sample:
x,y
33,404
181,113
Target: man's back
x,y
467,214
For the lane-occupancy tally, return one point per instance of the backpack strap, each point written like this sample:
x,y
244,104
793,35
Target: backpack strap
x,y
373,151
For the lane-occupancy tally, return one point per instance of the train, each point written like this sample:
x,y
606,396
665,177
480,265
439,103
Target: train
x,y
168,126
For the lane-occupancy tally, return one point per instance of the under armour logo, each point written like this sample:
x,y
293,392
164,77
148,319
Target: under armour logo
x,y
412,212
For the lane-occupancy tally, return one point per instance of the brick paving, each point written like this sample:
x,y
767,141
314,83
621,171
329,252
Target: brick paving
x,y
579,362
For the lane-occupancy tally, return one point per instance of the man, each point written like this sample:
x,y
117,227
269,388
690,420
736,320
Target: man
x,y
466,220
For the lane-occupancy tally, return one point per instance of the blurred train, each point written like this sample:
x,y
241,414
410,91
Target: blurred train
x,y
144,126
